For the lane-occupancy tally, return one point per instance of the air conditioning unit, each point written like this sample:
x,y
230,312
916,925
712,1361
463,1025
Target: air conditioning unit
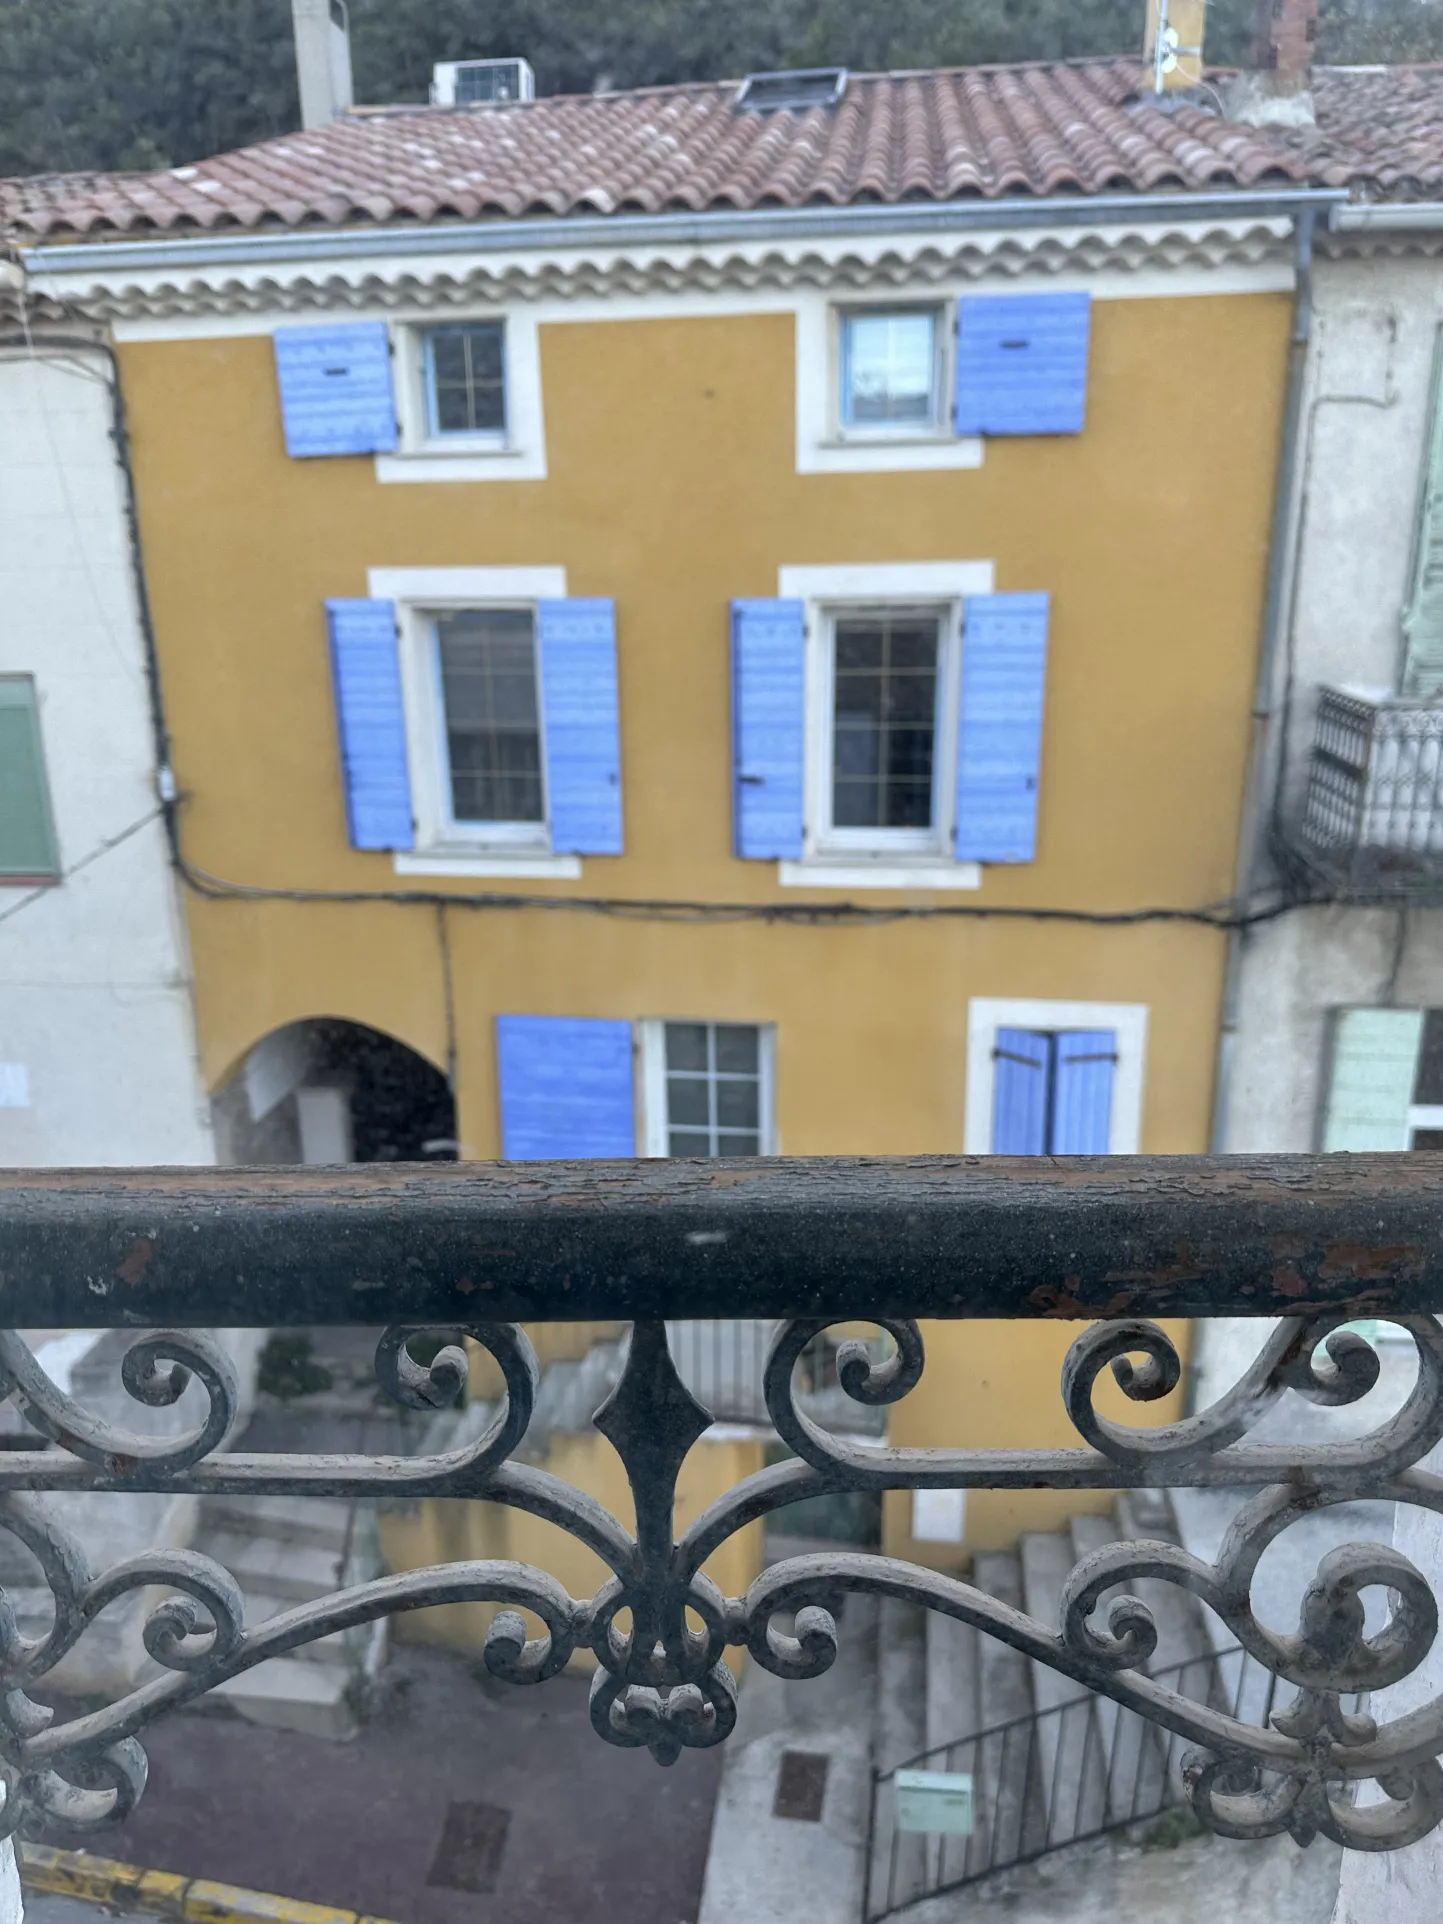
x,y
470,83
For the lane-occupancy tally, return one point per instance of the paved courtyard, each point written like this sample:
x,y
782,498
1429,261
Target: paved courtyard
x,y
463,1802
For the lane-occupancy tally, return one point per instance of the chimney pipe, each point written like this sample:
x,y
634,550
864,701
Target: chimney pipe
x,y
323,59
1284,32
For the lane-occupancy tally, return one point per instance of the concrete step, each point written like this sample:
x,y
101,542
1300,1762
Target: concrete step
x,y
899,1858
285,1694
340,1647
1069,1737
279,1568
1136,1754
1184,1648
324,1523
952,1719
1007,1779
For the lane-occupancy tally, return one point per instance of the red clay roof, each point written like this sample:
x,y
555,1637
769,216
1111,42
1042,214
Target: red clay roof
x,y
975,132
1379,130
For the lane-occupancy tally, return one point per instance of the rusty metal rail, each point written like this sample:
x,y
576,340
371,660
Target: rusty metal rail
x,y
442,1252
1070,1237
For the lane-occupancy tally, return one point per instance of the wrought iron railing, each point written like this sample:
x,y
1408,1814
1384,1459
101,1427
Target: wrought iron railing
x,y
1373,807
417,1251
1062,1775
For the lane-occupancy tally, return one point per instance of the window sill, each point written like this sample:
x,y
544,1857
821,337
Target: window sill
x,y
888,453
818,874
27,882
471,462
492,862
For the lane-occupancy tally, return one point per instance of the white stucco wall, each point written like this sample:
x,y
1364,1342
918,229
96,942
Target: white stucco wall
x,y
1360,461
94,979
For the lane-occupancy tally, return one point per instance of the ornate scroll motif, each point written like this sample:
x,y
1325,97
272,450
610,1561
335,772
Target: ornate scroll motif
x,y
663,1682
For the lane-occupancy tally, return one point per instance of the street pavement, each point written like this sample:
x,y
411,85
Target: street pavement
x,y
552,1824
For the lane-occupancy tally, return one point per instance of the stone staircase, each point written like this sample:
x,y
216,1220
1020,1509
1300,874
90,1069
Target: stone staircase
x,y
285,1551
1050,1764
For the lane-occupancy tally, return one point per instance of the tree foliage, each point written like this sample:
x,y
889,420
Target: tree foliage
x,y
148,83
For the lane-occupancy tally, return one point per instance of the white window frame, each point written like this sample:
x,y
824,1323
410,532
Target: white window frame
x,y
825,444
943,315
484,440
516,454
824,838
445,846
652,1130
1128,1021
881,858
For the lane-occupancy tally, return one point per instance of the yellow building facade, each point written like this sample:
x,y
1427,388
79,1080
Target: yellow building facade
x,y
675,446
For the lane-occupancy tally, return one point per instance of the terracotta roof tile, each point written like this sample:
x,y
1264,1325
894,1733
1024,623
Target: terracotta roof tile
x,y
1040,129
1081,126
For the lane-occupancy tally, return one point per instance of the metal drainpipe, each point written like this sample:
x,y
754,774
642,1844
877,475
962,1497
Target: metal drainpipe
x,y
1274,609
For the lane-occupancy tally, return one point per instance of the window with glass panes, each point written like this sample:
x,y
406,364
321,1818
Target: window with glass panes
x,y
714,1089
884,720
1425,1113
487,660
889,369
466,378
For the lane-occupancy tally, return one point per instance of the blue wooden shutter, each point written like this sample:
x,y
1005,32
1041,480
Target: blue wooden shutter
x,y
1020,1076
999,749
1022,363
583,730
1082,1075
768,728
565,1087
335,387
372,721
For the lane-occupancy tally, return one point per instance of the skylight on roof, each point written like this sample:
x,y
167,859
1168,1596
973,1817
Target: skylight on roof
x,y
765,93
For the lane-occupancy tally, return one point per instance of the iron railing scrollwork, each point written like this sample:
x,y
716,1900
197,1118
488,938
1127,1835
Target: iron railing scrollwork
x,y
660,1629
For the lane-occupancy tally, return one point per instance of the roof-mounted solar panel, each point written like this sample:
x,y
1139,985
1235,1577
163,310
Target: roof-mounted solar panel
x,y
766,93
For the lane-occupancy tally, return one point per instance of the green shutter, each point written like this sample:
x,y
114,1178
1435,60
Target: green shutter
x,y
1423,619
1375,1060
27,834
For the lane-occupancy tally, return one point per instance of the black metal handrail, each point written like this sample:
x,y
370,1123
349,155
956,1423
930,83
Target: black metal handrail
x,y
1070,1237
1065,1774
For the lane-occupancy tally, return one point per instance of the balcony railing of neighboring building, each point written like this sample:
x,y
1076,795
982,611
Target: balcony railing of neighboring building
x,y
1372,814
418,1253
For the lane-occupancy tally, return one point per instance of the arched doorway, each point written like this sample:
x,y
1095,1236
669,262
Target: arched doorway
x,y
325,1091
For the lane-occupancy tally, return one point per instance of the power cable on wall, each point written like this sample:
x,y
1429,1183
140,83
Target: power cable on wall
x,y
1225,915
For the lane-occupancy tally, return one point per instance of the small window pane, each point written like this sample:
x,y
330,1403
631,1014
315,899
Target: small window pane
x,y
884,723
889,370
1429,1085
736,1103
736,1049
686,1045
713,1089
1427,1139
687,1100
493,732
466,378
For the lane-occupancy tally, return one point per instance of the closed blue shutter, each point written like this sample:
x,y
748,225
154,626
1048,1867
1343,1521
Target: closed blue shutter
x,y
768,728
999,750
1082,1092
335,387
583,731
1022,363
1020,1075
372,723
565,1087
